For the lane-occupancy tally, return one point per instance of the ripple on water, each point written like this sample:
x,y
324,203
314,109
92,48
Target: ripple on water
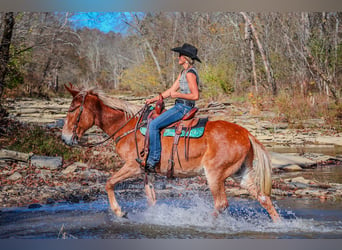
x,y
187,217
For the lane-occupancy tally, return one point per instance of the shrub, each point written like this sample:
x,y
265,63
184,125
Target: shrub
x,y
141,79
217,80
296,108
35,139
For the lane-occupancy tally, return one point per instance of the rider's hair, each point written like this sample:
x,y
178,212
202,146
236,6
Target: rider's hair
x,y
189,60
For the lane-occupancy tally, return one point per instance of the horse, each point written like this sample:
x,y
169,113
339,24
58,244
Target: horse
x,y
225,149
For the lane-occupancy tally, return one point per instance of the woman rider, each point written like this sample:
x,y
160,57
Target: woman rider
x,y
187,81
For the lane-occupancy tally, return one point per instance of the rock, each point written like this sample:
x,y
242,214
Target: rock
x,y
275,126
265,137
73,198
57,124
74,168
292,168
300,179
283,160
71,169
299,185
44,173
50,201
86,198
47,162
329,140
34,206
14,177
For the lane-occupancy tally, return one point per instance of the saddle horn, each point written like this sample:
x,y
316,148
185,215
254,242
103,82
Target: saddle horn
x,y
160,105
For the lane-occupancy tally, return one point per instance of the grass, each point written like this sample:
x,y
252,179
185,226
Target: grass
x,y
34,139
38,140
296,109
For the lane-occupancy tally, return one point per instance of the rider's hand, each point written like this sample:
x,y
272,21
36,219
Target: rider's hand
x,y
149,101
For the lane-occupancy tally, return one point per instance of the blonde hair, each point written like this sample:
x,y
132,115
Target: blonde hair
x,y
189,60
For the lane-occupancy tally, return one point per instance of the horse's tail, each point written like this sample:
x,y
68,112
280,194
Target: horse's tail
x,y
262,167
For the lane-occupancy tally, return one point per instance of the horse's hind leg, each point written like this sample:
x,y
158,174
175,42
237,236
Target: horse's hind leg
x,y
216,185
127,171
264,200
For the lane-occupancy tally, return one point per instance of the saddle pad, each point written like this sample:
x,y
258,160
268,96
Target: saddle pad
x,y
196,132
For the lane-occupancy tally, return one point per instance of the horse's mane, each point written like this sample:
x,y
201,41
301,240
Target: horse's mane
x,y
112,102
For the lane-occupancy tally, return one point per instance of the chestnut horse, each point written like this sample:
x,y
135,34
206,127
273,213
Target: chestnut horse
x,y
225,149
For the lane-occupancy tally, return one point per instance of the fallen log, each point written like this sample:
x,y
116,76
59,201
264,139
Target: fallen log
x,y
14,155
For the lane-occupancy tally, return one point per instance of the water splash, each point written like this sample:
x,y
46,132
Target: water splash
x,y
242,217
186,216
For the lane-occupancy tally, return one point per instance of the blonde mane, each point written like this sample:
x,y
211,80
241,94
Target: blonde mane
x,y
115,103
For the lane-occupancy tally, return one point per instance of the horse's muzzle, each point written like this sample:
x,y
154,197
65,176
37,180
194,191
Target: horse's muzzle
x,y
69,140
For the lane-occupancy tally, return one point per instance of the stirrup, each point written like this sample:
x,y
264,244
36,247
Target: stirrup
x,y
141,162
150,169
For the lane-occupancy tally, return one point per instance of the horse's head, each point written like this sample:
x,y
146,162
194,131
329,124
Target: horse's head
x,y
80,115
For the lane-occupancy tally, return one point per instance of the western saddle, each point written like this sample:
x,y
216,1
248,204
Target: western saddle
x,y
186,123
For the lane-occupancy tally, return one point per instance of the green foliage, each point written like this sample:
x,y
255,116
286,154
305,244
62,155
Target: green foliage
x,y
39,141
15,74
317,46
217,79
141,79
324,51
281,66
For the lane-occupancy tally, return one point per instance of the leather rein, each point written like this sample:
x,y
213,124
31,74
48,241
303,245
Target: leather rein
x,y
90,145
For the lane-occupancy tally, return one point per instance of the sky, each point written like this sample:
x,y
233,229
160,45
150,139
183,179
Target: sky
x,y
103,21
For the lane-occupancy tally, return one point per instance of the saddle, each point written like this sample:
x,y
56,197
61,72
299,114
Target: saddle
x,y
181,128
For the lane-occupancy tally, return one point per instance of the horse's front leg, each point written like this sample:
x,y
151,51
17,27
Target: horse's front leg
x,y
127,171
149,189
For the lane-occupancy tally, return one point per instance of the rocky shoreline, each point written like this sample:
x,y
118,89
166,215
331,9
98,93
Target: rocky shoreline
x,y
27,183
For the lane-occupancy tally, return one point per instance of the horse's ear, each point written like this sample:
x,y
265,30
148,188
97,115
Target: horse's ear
x,y
72,91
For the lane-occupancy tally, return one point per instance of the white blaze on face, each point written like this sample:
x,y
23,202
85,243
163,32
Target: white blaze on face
x,y
66,133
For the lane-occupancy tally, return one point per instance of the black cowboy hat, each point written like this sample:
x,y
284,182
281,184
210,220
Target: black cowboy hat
x,y
187,50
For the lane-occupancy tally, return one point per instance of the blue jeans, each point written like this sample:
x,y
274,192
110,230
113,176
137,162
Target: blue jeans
x,y
165,119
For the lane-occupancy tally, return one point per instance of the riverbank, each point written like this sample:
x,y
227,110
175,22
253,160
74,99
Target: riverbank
x,y
27,184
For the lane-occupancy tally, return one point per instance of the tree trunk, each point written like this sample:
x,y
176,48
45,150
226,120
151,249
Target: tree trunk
x,y
249,39
269,75
138,28
8,24
326,79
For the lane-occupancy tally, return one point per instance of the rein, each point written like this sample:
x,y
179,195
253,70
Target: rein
x,y
91,145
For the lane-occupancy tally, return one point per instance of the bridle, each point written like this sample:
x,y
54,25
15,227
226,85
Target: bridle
x,y
135,129
74,134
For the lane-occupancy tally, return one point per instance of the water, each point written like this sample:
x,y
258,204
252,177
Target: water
x,y
185,216
174,218
322,174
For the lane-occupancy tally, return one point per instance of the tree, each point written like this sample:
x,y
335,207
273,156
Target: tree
x,y
8,23
268,70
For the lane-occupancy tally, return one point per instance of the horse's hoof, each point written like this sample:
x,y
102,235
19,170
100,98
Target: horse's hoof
x,y
124,215
215,214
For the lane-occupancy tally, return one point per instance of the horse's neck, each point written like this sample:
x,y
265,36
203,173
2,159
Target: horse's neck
x,y
110,120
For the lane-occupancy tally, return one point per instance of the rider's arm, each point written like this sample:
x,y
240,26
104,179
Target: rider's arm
x,y
166,93
194,93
